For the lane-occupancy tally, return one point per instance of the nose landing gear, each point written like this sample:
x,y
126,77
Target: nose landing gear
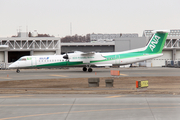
x,y
18,71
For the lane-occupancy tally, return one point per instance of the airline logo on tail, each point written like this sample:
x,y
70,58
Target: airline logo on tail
x,y
154,42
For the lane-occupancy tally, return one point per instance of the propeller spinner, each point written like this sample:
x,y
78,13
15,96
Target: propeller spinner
x,y
66,56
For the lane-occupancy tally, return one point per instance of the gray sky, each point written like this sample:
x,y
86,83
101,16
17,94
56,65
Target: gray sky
x,y
87,16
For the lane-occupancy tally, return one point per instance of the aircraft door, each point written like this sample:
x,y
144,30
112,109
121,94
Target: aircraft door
x,y
17,64
33,62
117,59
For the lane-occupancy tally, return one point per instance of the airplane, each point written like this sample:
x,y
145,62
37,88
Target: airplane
x,y
153,49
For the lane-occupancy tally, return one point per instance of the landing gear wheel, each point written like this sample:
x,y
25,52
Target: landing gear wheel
x,y
84,69
18,71
90,70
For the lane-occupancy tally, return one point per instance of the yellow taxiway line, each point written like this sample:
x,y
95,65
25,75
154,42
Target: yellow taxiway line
x,y
15,96
58,75
123,74
5,78
114,96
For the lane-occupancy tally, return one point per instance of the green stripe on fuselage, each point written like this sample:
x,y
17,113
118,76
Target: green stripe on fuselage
x,y
66,63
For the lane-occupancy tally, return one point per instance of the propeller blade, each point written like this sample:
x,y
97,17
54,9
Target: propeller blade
x,y
66,56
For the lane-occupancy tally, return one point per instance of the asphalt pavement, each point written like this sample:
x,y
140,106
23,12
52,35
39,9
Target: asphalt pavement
x,y
29,74
89,107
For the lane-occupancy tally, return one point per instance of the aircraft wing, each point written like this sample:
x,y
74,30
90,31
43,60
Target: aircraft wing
x,y
85,53
88,54
85,57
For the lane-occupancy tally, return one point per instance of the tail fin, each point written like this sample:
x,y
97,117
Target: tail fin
x,y
156,42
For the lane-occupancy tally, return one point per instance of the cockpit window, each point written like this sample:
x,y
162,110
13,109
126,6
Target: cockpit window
x,y
22,59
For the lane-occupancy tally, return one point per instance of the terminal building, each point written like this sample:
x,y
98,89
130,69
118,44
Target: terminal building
x,y
23,45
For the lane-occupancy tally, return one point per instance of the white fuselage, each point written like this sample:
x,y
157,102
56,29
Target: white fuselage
x,y
76,59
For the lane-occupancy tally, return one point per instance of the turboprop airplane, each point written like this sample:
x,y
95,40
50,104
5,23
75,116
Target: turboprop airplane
x,y
153,49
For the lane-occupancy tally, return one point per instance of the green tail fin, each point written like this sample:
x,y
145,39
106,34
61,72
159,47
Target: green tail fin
x,y
156,42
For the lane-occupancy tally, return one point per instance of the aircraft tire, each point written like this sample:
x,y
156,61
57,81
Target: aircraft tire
x,y
90,70
84,69
18,71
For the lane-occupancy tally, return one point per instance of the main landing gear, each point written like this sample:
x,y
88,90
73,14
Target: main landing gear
x,y
18,71
89,69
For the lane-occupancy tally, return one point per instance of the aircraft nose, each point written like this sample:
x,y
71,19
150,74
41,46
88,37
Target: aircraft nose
x,y
13,65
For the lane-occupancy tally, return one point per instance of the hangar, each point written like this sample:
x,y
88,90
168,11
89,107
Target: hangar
x,y
21,46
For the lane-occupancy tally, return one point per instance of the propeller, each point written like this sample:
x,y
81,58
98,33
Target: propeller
x,y
67,58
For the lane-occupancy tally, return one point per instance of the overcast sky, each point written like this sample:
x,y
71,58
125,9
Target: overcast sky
x,y
87,16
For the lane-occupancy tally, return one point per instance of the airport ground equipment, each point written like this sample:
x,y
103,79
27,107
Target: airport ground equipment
x,y
170,63
93,82
176,63
109,82
115,72
142,84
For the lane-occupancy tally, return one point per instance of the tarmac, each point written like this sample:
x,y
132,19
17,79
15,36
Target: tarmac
x,y
88,106
30,74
